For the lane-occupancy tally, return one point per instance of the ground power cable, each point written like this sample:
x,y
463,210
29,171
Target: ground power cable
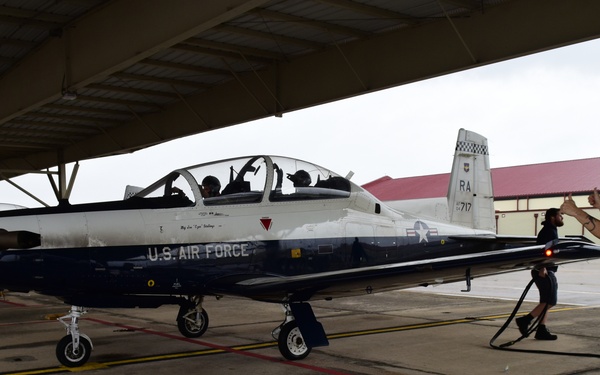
x,y
534,326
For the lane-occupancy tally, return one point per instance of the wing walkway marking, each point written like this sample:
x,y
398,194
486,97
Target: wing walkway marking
x,y
244,349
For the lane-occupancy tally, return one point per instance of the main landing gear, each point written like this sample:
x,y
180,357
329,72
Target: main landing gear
x,y
296,336
192,319
299,332
289,339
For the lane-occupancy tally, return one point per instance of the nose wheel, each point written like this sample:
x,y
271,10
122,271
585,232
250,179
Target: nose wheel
x,y
75,348
71,354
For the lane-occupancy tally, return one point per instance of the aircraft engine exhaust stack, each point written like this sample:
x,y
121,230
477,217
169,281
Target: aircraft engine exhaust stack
x,y
20,239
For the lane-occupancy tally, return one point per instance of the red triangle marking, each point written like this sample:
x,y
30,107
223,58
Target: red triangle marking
x,y
266,223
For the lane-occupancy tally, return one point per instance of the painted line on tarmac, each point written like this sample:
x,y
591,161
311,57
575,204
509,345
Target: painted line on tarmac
x,y
441,323
26,323
213,349
15,304
245,349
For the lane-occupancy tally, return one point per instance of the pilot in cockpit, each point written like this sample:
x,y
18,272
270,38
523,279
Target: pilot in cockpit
x,y
211,187
300,179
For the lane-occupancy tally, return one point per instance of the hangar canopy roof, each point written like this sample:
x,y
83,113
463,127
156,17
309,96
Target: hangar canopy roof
x,y
81,79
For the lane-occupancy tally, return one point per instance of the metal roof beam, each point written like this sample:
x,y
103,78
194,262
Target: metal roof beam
x,y
268,36
220,53
167,81
240,50
186,67
37,135
26,16
372,11
12,145
30,22
58,126
321,25
122,102
130,90
101,111
93,120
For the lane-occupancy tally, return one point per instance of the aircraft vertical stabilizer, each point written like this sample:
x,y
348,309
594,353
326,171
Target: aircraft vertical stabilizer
x,y
470,192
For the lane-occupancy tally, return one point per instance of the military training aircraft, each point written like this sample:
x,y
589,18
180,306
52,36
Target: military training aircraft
x,y
280,231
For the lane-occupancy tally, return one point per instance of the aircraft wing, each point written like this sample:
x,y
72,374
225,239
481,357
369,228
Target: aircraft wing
x,y
424,272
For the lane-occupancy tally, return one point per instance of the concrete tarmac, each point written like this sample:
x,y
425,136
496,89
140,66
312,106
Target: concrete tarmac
x,y
422,331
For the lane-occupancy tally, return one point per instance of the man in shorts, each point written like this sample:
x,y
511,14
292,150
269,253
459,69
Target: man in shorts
x,y
545,279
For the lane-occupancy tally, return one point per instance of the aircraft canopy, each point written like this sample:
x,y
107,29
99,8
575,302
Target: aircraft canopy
x,y
249,180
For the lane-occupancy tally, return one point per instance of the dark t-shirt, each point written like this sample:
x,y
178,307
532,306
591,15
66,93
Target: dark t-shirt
x,y
548,233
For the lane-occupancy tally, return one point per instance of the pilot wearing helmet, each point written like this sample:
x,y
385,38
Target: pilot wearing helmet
x,y
300,179
210,187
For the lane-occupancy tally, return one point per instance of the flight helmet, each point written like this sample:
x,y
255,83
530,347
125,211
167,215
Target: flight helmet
x,y
300,179
211,186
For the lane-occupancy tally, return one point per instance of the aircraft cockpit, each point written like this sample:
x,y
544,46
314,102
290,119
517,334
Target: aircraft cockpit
x,y
248,180
299,180
170,191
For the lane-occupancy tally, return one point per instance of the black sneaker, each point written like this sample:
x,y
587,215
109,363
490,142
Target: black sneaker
x,y
523,324
542,333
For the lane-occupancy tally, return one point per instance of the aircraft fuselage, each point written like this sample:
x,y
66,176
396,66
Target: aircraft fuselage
x,y
195,250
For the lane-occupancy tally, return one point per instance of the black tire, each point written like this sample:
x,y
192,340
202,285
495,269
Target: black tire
x,y
192,324
69,358
291,343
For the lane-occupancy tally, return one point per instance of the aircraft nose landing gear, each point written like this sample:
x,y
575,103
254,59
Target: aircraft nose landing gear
x,y
74,349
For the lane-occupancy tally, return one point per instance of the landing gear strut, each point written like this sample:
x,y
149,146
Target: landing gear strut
x,y
192,319
74,349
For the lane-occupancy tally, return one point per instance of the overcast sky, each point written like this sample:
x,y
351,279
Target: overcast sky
x,y
535,109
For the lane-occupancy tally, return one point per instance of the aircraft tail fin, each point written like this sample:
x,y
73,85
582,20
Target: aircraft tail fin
x,y
470,192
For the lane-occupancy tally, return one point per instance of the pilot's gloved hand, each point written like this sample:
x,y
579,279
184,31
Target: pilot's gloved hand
x,y
177,191
279,171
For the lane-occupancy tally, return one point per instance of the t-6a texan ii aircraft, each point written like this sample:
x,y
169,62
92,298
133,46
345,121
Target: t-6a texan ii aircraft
x,y
280,231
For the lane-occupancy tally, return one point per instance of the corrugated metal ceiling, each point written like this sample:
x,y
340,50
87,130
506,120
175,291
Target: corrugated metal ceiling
x,y
74,120
277,31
